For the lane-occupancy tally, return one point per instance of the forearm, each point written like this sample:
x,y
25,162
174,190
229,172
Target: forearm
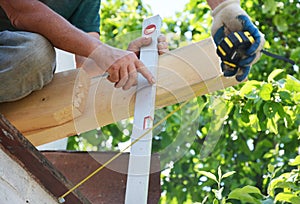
x,y
214,3
80,59
34,16
86,63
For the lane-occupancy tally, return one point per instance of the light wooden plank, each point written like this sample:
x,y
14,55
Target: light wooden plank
x,y
183,74
57,103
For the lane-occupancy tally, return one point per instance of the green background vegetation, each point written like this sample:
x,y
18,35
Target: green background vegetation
x,y
241,143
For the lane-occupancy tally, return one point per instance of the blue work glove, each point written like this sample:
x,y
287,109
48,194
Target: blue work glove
x,y
230,17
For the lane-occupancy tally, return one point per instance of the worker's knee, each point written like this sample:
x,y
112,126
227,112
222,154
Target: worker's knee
x,y
27,63
41,52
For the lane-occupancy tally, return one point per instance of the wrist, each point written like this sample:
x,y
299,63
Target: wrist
x,y
223,4
214,3
105,56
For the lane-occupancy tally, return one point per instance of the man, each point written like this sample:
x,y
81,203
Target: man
x,y
27,58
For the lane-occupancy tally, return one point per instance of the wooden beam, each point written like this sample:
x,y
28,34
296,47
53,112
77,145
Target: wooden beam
x,y
57,103
183,74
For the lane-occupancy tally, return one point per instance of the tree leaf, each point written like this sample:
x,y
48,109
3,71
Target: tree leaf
x,y
295,162
272,125
274,74
269,109
280,23
248,87
266,91
208,175
273,185
238,195
219,173
295,53
228,174
292,84
287,197
285,97
271,168
269,7
251,189
244,194
215,201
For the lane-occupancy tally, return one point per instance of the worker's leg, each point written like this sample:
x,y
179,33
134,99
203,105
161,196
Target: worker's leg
x,y
27,63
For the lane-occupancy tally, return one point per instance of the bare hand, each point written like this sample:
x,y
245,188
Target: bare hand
x,y
138,43
123,66
162,45
123,72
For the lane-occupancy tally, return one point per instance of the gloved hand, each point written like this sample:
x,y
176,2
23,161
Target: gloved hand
x,y
230,17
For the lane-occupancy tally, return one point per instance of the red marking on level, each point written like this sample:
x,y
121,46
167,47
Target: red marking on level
x,y
148,122
150,29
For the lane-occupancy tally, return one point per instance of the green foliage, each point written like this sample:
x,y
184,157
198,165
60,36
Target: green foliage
x,y
262,129
283,188
250,131
217,192
277,21
121,21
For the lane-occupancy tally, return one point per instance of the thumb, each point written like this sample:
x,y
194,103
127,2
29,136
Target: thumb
x,y
136,44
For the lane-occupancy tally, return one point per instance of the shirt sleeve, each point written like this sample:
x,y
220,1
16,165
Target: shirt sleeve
x,y
86,17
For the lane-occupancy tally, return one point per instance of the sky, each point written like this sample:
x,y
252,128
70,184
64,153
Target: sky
x,y
166,8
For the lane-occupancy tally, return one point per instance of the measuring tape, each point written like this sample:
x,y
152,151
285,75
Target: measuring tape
x,y
233,48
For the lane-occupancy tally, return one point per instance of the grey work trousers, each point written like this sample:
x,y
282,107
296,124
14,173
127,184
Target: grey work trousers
x,y
27,63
